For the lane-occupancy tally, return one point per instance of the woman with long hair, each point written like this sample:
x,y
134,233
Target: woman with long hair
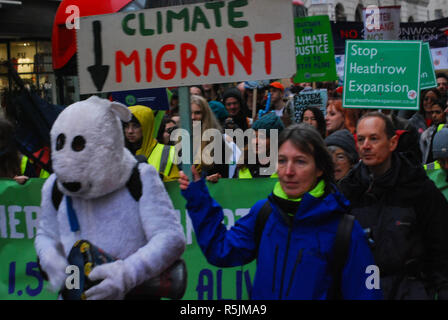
x,y
315,117
422,119
211,165
338,117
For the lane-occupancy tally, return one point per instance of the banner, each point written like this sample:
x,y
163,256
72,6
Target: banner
x,y
309,98
20,208
427,72
381,23
434,32
216,42
156,99
314,50
382,74
19,211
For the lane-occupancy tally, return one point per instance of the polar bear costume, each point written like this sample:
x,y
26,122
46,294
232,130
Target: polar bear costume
x,y
92,167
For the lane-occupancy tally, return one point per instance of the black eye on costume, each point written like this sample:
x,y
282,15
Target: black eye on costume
x,y
60,141
78,143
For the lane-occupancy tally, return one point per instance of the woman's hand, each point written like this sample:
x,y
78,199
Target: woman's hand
x,y
21,179
184,182
214,177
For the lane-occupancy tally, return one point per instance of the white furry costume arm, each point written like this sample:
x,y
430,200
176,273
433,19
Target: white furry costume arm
x,y
166,243
166,240
47,242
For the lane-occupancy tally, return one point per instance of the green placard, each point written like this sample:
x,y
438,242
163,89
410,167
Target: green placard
x,y
314,49
20,207
382,74
427,73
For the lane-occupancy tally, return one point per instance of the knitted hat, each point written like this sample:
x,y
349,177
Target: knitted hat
x,y
440,144
269,121
218,109
344,140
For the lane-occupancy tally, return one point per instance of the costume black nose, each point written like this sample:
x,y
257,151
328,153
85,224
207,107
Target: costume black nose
x,y
72,186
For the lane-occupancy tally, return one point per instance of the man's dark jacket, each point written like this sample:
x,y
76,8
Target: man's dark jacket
x,y
405,218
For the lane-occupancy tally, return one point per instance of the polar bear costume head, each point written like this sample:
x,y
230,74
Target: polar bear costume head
x,y
88,153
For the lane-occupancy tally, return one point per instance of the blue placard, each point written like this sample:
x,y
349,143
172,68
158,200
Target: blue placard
x,y
156,99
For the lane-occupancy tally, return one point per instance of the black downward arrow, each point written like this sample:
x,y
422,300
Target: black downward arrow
x,y
98,71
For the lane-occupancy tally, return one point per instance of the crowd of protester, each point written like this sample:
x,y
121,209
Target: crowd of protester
x,y
386,168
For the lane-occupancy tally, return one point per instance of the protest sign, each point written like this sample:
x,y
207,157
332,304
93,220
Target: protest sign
x,y
382,74
308,98
314,49
427,73
20,208
440,58
381,23
213,42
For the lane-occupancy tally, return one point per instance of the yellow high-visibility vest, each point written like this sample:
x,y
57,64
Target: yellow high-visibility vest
x,y
434,165
244,173
162,159
42,174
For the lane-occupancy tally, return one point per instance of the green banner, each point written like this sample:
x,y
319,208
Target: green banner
x,y
314,49
20,207
382,74
427,73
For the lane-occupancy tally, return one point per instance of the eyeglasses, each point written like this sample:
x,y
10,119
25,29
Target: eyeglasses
x,y
340,157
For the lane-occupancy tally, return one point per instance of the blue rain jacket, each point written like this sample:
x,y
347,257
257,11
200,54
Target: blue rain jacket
x,y
292,261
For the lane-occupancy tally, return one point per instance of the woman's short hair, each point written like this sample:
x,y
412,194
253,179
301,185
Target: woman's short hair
x,y
308,140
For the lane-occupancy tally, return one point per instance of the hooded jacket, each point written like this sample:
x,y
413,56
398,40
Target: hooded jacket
x,y
292,260
405,218
149,145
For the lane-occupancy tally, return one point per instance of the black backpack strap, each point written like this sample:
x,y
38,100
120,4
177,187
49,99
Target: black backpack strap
x,y
134,184
56,195
260,222
340,253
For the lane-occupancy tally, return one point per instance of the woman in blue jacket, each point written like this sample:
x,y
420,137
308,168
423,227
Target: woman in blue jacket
x,y
296,244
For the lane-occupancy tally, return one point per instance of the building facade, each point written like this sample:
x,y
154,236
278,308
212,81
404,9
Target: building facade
x,y
25,41
351,10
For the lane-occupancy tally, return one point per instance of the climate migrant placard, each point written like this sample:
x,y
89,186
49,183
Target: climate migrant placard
x,y
309,98
20,208
382,74
213,42
314,49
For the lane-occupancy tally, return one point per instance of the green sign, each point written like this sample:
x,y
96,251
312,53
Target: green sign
x,y
427,73
20,207
314,49
382,74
